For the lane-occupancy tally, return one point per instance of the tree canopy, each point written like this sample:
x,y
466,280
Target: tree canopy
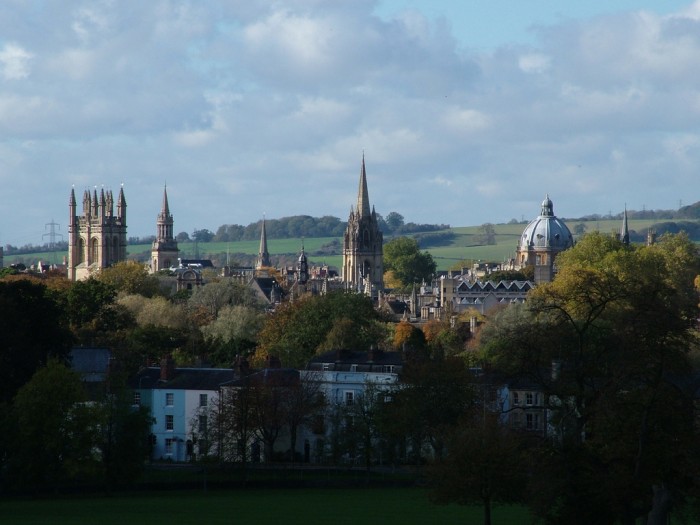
x,y
402,257
608,341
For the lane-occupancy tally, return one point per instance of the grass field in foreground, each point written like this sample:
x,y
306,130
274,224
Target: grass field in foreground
x,y
261,507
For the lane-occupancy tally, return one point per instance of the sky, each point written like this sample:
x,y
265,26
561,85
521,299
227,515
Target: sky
x,y
465,112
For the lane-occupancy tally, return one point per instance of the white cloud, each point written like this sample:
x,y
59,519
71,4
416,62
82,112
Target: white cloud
x,y
534,63
14,62
234,103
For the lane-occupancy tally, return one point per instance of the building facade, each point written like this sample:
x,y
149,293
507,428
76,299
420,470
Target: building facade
x,y
363,267
97,238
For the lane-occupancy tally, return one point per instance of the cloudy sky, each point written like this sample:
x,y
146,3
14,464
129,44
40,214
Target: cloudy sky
x,y
467,112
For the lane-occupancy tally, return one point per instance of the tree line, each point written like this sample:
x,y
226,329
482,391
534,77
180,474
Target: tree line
x,y
610,346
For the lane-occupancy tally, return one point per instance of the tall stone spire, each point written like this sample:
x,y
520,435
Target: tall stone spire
x,y
624,230
263,254
164,253
362,194
362,244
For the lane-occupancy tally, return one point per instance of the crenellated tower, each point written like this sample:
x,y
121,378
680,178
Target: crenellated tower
x,y
97,237
363,267
164,253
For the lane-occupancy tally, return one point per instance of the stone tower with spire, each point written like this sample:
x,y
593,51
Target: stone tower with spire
x,y
164,253
363,267
263,260
97,237
624,229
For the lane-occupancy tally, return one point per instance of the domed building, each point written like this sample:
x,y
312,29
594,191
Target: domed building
x,y
541,241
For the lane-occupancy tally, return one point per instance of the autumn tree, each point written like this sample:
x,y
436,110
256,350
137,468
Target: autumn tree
x,y
297,330
130,277
234,332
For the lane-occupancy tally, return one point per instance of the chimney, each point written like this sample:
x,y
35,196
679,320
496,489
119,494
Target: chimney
x,y
373,354
241,366
167,368
273,361
556,369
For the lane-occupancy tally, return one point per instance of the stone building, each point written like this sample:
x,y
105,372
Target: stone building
x,y
541,241
97,238
363,268
165,253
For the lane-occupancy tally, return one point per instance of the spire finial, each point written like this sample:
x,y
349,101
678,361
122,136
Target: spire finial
x,y
363,208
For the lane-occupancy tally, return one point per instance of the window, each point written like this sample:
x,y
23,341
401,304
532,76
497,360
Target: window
x,y
202,428
203,401
349,397
168,445
528,398
516,398
169,399
353,368
169,422
326,366
532,421
137,398
388,369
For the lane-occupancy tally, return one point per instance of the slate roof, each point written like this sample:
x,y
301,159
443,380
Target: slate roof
x,y
91,363
184,379
356,357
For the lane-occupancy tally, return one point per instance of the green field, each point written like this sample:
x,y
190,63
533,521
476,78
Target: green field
x,y
261,507
464,246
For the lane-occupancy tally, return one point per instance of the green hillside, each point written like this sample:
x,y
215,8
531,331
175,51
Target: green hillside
x,y
463,247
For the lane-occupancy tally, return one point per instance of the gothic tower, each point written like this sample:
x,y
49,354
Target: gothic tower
x,y
363,267
263,255
164,253
97,238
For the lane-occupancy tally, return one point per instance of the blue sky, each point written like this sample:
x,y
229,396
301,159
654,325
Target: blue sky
x,y
489,24
467,112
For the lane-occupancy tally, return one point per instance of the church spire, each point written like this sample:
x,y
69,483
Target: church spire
x,y
165,209
263,254
624,230
362,195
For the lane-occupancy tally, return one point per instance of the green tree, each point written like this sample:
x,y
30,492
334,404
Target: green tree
x,y
55,430
394,221
122,436
297,330
86,299
616,323
402,256
32,329
432,397
486,464
487,234
130,277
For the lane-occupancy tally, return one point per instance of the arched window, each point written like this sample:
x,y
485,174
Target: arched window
x,y
81,250
115,249
94,250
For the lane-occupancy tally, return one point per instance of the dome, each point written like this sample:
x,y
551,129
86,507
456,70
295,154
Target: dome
x,y
546,232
